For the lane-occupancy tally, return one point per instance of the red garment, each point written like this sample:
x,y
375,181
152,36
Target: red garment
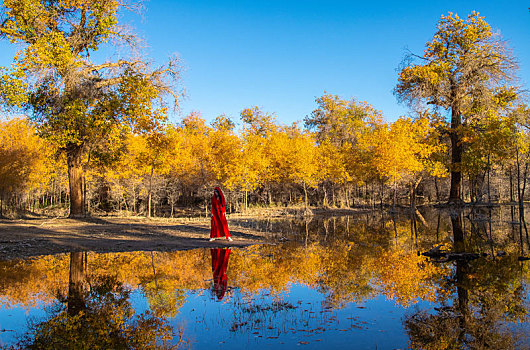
x,y
219,227
219,265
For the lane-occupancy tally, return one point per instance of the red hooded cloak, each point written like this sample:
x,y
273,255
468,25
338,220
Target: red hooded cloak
x,y
219,227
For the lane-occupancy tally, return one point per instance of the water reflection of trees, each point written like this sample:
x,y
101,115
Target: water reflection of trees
x,y
486,297
162,277
484,227
97,314
343,271
346,259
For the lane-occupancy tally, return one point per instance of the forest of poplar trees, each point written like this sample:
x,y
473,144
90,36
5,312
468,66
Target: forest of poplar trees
x,y
96,137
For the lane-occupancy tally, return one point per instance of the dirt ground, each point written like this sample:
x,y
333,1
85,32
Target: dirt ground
x,y
43,236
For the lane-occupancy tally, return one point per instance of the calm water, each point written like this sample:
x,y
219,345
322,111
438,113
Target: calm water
x,y
347,282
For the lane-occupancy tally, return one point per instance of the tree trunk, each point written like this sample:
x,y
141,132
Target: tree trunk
x,y
150,191
382,192
437,190
455,193
134,199
84,193
305,195
411,196
519,194
489,182
75,179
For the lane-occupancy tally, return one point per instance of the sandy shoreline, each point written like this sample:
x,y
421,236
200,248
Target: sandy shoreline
x,y
32,237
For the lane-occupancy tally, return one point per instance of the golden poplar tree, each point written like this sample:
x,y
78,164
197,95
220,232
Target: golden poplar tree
x,y
464,68
74,100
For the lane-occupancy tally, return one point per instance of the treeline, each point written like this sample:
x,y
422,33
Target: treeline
x,y
344,155
106,143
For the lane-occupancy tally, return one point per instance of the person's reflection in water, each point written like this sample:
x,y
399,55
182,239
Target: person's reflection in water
x,y
220,258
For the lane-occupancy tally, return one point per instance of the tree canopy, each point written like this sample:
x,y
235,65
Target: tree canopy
x,y
467,70
80,105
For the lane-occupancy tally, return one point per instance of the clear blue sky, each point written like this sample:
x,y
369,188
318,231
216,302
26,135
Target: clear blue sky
x,y
282,54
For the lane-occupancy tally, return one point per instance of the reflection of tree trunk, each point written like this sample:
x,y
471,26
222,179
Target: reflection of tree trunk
x,y
490,233
522,225
421,218
463,297
75,180
527,238
458,232
76,300
395,229
438,228
413,228
306,232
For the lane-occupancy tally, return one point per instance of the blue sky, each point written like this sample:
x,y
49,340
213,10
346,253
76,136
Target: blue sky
x,y
281,55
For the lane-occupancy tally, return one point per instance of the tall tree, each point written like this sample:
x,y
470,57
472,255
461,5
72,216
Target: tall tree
x,y
464,67
76,102
338,125
340,121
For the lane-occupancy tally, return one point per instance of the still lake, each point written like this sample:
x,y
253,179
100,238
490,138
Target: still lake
x,y
356,282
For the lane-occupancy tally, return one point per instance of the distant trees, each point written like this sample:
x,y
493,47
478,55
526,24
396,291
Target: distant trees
x,y
274,164
27,163
403,151
338,126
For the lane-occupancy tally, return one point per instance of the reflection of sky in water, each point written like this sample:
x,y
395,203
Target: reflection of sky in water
x,y
13,321
212,324
209,323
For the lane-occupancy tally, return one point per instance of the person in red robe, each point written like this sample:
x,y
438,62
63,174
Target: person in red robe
x,y
219,227
219,265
